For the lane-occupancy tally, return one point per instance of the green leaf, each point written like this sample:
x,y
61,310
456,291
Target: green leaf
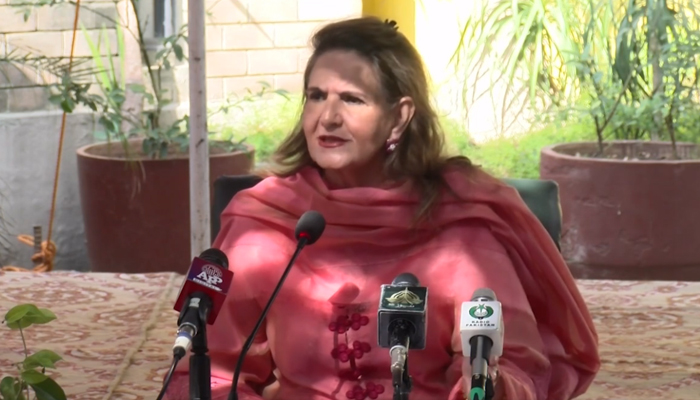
x,y
55,99
117,96
102,73
147,147
32,376
43,317
21,324
179,54
137,88
163,150
66,106
42,358
48,389
25,315
9,388
18,312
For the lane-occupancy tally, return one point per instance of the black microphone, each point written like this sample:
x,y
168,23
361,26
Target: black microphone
x,y
402,315
308,230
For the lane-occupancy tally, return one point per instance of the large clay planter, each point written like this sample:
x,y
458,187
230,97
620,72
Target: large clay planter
x,y
137,214
627,218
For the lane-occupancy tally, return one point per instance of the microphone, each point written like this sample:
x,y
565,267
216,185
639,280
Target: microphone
x,y
401,325
201,296
481,328
309,229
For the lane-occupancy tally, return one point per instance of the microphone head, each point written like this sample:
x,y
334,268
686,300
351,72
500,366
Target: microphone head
x,y
208,274
403,303
215,256
310,226
484,294
405,279
482,316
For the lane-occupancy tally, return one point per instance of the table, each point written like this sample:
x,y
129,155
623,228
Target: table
x,y
115,333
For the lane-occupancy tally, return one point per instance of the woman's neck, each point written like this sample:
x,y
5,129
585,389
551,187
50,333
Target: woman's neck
x,y
346,179
372,177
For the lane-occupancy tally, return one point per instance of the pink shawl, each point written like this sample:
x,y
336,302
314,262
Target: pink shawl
x,y
265,216
384,215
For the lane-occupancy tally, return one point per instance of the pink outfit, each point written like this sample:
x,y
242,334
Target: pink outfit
x,y
488,238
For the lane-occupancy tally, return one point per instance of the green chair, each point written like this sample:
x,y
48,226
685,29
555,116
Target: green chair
x,y
541,196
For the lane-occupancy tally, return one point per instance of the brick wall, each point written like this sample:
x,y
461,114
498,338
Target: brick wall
x,y
247,41
47,31
264,40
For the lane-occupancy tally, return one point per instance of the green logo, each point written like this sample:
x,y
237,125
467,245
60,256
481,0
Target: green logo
x,y
481,311
477,393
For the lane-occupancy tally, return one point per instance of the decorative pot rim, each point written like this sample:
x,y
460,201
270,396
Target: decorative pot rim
x,y
551,151
83,151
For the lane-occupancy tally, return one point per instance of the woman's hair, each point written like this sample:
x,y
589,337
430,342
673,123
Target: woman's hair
x,y
419,155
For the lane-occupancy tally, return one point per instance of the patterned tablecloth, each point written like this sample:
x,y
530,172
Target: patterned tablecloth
x,y
115,333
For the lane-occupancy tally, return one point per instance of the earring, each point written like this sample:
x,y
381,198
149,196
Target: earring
x,y
391,147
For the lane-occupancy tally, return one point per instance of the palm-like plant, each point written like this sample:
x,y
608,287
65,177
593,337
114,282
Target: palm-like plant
x,y
526,44
642,78
629,65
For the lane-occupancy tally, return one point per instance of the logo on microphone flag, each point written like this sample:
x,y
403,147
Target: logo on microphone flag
x,y
208,275
481,311
403,298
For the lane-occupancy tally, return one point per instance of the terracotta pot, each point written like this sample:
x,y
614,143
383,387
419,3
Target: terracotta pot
x,y
137,212
627,218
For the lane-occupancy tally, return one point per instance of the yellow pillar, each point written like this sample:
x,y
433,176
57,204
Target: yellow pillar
x,y
401,11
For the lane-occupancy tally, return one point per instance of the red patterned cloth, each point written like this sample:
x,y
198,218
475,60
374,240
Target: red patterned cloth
x,y
115,333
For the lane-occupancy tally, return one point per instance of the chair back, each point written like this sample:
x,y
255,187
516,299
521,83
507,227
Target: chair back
x,y
541,197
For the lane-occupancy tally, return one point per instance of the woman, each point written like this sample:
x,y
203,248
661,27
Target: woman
x,y
368,155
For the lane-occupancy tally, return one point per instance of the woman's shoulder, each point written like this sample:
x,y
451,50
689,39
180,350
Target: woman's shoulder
x,y
471,235
463,173
471,202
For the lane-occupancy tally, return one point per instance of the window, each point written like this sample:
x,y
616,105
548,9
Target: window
x,y
164,18
159,19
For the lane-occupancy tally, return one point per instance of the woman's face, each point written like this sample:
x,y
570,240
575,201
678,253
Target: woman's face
x,y
347,122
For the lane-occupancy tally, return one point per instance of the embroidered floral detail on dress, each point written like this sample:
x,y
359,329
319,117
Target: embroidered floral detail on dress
x,y
349,352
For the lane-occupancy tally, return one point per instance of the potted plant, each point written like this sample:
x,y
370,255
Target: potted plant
x,y
629,204
134,185
630,71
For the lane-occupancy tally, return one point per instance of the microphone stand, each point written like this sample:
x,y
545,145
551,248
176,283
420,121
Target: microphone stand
x,y
402,383
401,379
200,364
233,394
480,353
